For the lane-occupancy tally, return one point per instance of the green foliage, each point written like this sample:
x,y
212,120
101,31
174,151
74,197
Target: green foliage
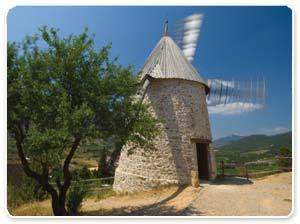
x,y
285,155
260,149
68,90
85,173
255,142
102,162
244,150
24,191
105,193
77,192
61,92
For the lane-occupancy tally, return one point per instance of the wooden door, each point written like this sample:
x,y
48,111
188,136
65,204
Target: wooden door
x,y
202,157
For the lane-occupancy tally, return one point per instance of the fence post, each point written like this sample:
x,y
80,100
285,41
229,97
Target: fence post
x,y
195,179
246,172
223,171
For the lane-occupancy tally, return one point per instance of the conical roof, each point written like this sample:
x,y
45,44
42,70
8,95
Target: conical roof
x,y
167,61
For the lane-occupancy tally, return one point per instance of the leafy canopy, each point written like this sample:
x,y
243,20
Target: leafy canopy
x,y
61,90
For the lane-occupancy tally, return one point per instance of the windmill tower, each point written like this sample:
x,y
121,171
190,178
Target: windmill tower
x,y
177,94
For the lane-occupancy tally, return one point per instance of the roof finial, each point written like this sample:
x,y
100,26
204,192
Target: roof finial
x,y
166,28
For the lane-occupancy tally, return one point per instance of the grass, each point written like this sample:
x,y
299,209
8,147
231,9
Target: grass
x,y
86,155
80,162
106,193
254,171
43,208
258,160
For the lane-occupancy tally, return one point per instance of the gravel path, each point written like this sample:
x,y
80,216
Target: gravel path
x,y
267,196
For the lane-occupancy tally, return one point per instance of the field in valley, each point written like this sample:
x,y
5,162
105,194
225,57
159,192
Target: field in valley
x,y
260,153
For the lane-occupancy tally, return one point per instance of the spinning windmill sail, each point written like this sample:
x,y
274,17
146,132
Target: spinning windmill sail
x,y
226,96
188,32
232,96
225,92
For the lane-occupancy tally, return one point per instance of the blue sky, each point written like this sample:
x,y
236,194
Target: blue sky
x,y
235,42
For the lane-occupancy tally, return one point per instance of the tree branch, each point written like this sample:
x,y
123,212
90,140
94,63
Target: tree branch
x,y
42,180
66,171
58,183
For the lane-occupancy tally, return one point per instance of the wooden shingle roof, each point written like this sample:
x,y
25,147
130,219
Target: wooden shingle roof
x,y
167,61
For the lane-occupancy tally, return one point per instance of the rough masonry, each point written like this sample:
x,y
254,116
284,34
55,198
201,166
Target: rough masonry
x,y
177,94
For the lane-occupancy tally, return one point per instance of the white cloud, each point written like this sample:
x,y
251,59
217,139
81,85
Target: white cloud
x,y
273,131
217,100
234,108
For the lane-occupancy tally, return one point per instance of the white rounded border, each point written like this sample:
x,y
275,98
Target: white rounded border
x,y
7,5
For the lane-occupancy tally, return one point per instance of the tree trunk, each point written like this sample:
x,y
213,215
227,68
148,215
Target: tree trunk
x,y
110,165
58,206
58,198
59,201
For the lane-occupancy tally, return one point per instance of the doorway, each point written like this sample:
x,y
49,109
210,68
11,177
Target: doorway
x,y
202,158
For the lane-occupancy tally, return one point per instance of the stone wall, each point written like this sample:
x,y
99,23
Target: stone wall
x,y
181,105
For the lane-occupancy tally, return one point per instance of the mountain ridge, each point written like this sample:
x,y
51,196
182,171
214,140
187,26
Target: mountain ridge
x,y
225,140
259,141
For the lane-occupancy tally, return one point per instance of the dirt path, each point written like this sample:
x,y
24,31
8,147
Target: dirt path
x,y
271,195
163,201
267,196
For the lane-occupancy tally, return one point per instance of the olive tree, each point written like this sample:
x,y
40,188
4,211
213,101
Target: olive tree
x,y
62,92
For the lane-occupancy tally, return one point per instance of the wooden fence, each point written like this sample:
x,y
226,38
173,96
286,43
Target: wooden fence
x,y
97,184
245,169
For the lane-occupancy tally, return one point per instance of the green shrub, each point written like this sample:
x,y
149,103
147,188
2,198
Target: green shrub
x,y
25,191
285,160
85,173
77,192
102,162
105,193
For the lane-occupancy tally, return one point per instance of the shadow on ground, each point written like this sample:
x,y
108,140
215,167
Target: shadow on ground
x,y
232,181
156,209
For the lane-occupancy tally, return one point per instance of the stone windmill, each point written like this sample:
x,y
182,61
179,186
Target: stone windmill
x,y
178,96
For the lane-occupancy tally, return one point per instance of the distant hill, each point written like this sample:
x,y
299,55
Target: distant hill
x,y
225,140
254,142
254,148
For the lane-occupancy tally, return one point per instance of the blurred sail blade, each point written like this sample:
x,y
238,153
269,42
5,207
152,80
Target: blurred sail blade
x,y
235,96
188,34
